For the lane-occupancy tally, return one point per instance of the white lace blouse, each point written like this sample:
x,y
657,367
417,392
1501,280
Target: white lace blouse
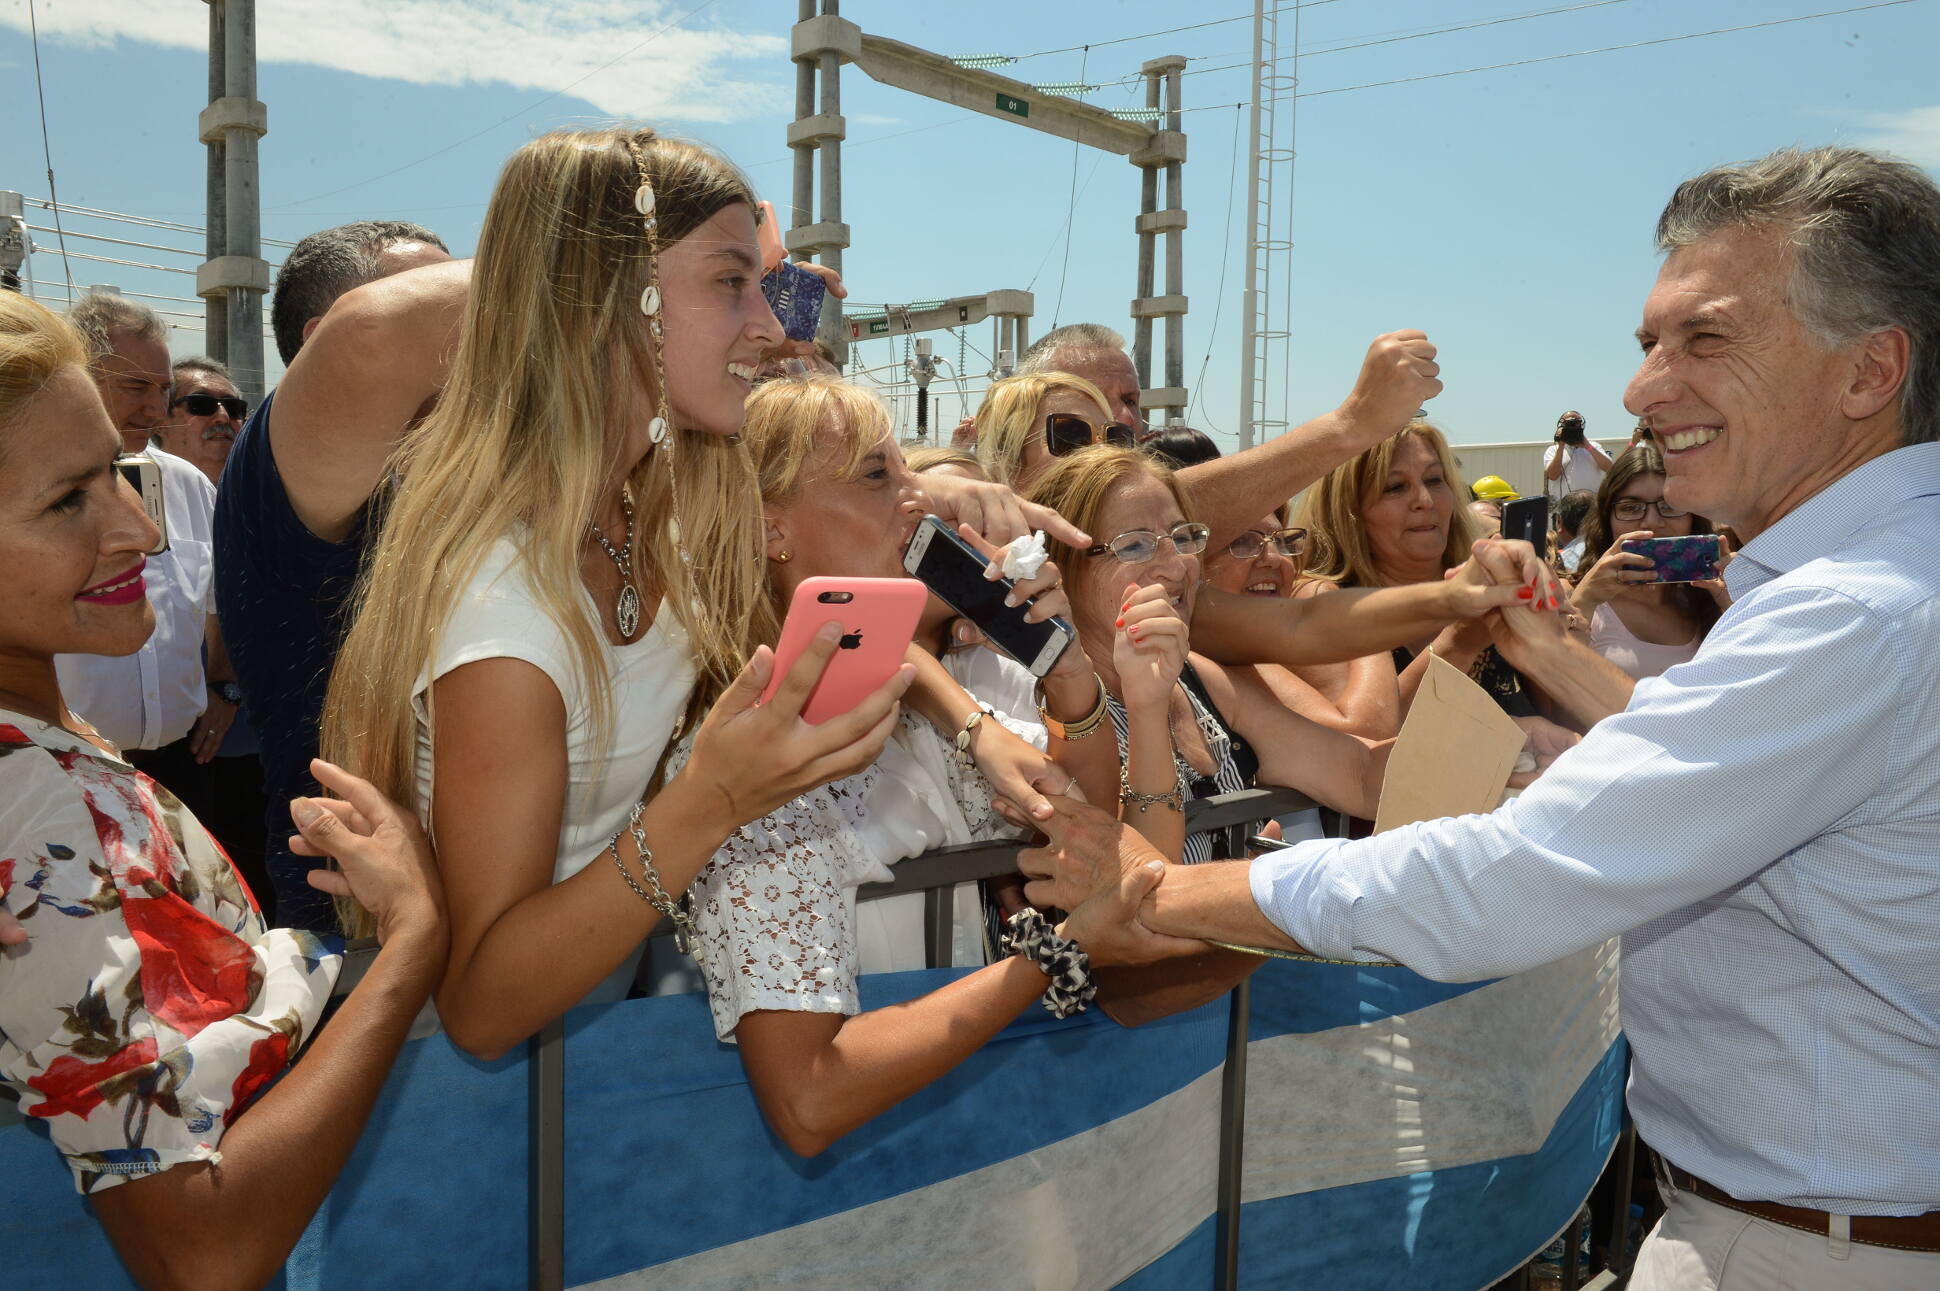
x,y
776,921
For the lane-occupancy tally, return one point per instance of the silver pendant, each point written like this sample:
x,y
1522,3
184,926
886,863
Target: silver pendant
x,y
627,611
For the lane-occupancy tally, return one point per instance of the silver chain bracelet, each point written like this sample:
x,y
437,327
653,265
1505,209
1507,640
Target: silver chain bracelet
x,y
1130,797
1028,934
674,909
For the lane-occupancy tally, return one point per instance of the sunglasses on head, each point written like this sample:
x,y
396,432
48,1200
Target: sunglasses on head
x,y
1136,546
1291,543
1066,432
205,405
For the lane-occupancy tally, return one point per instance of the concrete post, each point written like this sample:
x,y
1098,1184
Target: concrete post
x,y
1148,204
215,309
238,276
1175,281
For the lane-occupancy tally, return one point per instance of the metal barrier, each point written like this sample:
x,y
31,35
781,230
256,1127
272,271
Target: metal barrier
x,y
936,872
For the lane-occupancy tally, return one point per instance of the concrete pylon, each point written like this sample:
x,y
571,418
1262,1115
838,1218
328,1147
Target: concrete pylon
x,y
235,276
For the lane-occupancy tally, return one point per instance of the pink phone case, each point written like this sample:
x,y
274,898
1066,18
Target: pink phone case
x,y
879,621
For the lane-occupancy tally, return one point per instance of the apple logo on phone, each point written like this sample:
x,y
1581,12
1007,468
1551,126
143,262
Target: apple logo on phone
x,y
850,640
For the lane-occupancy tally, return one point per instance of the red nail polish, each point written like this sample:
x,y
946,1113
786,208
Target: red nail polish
x,y
1120,623
1525,593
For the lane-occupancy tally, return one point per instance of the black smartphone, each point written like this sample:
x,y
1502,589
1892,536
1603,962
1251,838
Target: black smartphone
x,y
1528,519
951,568
795,295
144,476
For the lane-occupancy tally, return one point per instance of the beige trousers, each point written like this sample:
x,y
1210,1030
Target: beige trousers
x,y
1702,1246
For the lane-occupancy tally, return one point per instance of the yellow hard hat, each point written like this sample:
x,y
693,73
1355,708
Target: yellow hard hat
x,y
1493,488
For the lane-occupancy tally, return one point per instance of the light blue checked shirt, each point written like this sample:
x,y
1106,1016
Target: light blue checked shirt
x,y
1762,824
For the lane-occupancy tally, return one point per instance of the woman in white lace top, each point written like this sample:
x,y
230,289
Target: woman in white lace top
x,y
778,932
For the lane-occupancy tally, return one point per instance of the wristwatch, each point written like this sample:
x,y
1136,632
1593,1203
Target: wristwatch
x,y
229,690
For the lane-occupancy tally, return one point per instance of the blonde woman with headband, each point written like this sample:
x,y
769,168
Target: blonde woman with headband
x,y
573,546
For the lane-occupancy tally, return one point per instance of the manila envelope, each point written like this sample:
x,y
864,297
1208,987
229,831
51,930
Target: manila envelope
x,y
1453,756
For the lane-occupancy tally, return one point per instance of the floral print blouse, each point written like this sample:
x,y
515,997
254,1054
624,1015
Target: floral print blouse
x,y
149,1004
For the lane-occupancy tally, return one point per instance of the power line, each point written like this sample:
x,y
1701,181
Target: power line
x,y
123,217
132,264
524,111
46,149
1579,53
1225,256
1169,31
1415,35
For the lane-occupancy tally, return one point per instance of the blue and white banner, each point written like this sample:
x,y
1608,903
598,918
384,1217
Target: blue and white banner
x,y
1407,1133
1392,1124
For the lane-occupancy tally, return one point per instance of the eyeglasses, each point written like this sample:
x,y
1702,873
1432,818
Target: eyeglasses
x,y
205,405
1636,508
1136,546
1291,543
1067,432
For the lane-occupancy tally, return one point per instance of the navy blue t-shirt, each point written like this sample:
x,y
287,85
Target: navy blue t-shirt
x,y
280,595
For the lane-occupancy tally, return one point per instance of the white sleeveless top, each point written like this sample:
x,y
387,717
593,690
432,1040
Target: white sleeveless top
x,y
1617,643
498,617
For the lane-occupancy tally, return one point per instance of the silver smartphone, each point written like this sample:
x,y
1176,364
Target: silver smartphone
x,y
952,569
144,475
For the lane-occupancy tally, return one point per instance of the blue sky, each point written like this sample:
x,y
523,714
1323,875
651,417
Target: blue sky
x,y
1507,212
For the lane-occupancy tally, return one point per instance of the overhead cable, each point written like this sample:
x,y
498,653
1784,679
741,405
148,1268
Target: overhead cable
x,y
1578,53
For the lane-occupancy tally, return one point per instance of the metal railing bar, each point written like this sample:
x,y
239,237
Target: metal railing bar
x,y
548,1124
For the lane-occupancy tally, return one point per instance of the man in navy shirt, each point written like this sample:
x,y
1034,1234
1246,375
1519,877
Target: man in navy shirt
x,y
291,511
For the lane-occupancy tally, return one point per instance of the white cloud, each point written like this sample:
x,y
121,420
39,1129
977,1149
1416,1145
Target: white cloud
x,y
1913,134
538,45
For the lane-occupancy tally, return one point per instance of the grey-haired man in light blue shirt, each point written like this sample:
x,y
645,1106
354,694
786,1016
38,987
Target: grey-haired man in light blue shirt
x,y
1760,824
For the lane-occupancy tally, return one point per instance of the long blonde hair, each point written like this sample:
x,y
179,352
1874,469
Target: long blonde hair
x,y
554,363
1008,418
1331,510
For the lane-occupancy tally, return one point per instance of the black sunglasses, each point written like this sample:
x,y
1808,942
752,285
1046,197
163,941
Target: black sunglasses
x,y
205,405
1066,432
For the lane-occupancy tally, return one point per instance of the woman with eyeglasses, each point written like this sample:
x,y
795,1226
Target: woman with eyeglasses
x,y
1187,727
1028,422
1642,627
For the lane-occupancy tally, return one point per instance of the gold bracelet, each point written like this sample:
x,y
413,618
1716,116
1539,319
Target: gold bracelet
x,y
1070,732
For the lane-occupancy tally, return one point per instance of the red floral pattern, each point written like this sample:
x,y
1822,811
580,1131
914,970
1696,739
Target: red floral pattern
x,y
266,1058
149,985
72,1086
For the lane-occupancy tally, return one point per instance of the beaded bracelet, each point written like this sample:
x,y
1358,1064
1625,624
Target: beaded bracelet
x,y
657,898
1061,959
965,757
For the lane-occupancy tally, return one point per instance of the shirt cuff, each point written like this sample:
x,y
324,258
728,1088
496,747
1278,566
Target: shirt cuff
x,y
1303,894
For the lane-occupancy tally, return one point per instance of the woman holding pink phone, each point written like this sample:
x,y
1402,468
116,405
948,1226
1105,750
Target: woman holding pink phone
x,y
1642,626
778,933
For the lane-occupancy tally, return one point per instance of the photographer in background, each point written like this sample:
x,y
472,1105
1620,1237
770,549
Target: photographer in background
x,y
1573,462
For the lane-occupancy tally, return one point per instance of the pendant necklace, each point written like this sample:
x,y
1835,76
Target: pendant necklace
x,y
626,610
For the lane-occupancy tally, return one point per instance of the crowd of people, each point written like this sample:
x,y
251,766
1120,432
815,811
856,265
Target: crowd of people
x,y
461,640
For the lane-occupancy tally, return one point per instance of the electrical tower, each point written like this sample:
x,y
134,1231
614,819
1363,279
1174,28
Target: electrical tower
x,y
1266,255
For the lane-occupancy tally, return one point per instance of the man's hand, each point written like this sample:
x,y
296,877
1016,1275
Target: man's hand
x,y
1398,376
995,512
1107,929
1087,852
205,737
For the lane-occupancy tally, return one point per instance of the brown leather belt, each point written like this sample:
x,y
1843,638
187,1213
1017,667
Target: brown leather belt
x,y
1902,1232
